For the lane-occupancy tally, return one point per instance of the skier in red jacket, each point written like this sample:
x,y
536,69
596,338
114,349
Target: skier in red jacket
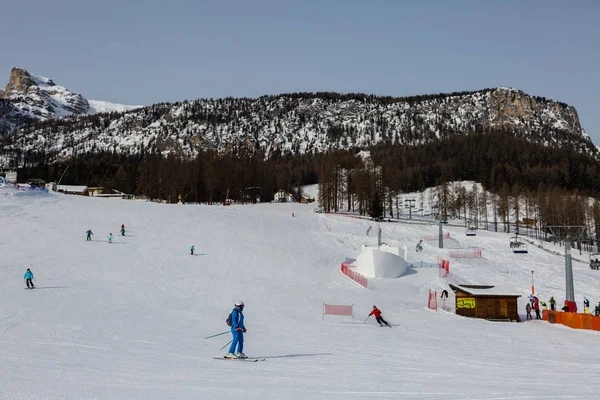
x,y
536,307
377,313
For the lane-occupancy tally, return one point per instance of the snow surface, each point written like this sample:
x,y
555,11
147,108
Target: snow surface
x,y
127,320
99,106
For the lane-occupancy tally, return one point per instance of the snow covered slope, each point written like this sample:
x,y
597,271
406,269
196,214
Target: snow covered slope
x,y
128,320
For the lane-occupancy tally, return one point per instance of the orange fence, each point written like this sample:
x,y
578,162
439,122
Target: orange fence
x,y
355,276
572,320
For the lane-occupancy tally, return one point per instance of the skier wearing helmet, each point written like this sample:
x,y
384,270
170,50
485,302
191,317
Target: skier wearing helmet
x,y
237,331
377,313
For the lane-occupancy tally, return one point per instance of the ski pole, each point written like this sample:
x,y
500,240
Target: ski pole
x,y
226,344
218,334
366,319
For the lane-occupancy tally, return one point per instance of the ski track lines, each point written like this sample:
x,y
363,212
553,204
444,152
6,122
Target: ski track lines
x,y
127,320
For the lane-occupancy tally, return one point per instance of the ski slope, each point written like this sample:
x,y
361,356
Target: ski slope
x,y
127,320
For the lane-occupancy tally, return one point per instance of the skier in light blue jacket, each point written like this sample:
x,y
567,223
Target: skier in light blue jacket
x,y
237,331
29,278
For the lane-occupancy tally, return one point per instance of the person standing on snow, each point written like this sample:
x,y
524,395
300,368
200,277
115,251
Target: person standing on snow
x,y
123,230
377,313
586,305
536,307
552,304
29,278
237,331
89,234
192,249
110,238
528,311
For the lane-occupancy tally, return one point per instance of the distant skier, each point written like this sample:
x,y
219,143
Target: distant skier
x,y
89,234
377,313
531,300
110,238
237,331
552,304
586,305
29,278
536,307
123,230
528,311
192,249
419,248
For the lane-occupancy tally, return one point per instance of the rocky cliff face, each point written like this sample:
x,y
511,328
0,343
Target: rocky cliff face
x,y
28,98
304,123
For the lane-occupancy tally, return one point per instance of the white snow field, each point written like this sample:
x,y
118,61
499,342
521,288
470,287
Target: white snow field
x,y
127,320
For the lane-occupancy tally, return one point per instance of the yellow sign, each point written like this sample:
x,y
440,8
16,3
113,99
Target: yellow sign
x,y
465,303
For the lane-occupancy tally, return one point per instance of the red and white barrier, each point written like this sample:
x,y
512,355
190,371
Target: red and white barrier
x,y
355,276
472,253
444,270
336,309
432,300
436,237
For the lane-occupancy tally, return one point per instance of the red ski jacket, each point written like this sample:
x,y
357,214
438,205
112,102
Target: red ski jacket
x,y
376,312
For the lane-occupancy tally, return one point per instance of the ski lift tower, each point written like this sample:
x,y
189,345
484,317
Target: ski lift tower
x,y
410,204
568,233
441,239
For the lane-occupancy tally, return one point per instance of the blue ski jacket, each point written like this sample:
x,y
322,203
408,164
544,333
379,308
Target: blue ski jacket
x,y
89,233
28,275
237,319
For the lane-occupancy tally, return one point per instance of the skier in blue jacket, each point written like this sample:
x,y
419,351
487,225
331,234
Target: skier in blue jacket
x,y
237,331
29,278
89,235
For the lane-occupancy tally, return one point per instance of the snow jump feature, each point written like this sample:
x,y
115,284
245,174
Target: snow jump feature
x,y
380,262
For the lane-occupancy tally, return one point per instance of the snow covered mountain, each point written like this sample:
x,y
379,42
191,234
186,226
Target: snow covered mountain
x,y
297,123
28,98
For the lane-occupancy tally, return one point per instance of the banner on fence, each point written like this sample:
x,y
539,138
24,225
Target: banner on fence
x,y
336,309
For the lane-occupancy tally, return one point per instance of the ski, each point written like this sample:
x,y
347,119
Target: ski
x,y
241,359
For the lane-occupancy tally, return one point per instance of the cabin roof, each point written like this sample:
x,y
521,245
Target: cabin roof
x,y
487,290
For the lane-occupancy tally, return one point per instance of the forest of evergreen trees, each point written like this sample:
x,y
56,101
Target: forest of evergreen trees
x,y
553,183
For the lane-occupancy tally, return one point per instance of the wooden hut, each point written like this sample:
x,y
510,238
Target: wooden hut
x,y
486,301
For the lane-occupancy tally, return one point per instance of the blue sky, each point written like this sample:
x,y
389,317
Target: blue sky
x,y
143,52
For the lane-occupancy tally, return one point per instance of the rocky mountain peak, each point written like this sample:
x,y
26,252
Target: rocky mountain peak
x,y
29,98
19,81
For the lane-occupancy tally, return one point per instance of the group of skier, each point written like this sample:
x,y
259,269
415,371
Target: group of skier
x,y
534,304
110,238
238,328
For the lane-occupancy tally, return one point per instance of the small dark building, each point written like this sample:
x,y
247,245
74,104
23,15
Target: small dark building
x,y
486,301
